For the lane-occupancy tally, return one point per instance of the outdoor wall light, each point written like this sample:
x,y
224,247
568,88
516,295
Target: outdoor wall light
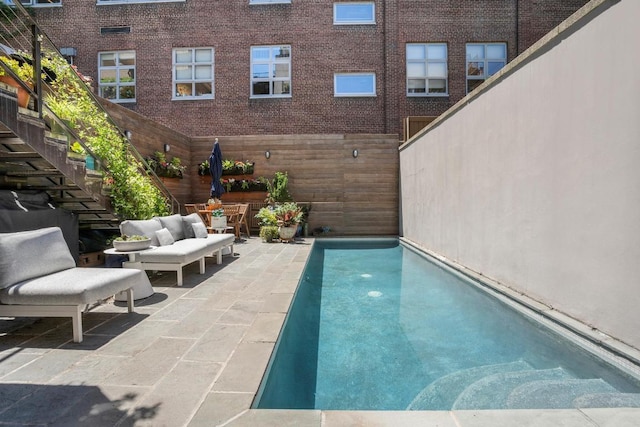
x,y
128,134
267,154
167,147
355,153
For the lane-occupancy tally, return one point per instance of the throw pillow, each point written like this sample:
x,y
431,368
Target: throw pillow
x,y
187,220
173,223
164,237
200,230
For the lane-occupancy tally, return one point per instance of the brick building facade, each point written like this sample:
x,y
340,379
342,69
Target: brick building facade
x,y
304,51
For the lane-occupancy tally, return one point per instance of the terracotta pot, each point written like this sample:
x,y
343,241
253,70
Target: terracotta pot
x,y
23,95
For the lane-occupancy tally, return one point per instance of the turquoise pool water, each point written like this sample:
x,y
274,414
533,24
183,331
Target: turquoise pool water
x,y
374,325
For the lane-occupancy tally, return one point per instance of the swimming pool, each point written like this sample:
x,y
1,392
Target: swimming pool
x,y
376,325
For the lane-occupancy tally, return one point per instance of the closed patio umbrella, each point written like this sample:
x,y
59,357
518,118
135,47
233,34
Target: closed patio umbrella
x,y
215,168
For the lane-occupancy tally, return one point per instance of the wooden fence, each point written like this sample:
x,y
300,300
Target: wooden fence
x,y
353,195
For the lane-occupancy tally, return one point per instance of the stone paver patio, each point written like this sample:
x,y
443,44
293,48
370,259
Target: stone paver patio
x,y
195,356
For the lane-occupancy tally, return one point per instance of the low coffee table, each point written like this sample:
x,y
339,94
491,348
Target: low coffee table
x,y
140,291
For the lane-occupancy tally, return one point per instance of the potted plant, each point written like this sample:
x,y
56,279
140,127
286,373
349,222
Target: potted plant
x,y
269,232
162,167
203,168
218,219
277,189
288,216
24,71
266,217
77,152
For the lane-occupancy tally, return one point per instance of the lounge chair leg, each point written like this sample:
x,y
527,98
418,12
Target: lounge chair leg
x,y
202,265
130,302
219,257
76,320
179,272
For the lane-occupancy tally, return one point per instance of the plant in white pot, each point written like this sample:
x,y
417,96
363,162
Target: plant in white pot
x,y
218,219
288,216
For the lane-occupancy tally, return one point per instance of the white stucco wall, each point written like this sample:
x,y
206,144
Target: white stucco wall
x,y
536,181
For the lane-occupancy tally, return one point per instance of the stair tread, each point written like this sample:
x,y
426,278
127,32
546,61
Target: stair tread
x,y
492,391
555,394
442,393
608,400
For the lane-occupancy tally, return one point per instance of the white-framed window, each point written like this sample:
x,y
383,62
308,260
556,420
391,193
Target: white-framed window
x,y
193,73
117,75
427,73
358,13
354,84
35,2
102,2
483,61
271,71
269,1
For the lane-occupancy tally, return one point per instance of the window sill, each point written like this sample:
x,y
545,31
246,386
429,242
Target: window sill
x,y
427,95
192,98
121,2
270,97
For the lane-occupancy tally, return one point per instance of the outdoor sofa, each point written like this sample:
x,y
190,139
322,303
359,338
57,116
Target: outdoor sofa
x,y
176,240
39,278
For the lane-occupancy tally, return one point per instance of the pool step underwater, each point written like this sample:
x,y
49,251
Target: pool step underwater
x,y
492,391
551,394
518,385
442,393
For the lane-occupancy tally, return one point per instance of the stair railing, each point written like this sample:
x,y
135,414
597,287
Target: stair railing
x,y
22,41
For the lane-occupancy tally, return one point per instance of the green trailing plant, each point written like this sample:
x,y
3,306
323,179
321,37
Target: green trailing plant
x,y
218,213
133,193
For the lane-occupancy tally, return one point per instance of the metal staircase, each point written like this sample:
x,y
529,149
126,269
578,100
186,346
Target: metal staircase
x,y
32,156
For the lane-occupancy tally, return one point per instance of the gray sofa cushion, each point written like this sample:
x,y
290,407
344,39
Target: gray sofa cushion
x,y
183,251
141,227
73,286
28,254
173,223
187,224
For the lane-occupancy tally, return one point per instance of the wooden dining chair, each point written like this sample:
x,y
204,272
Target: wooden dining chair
x,y
232,212
244,212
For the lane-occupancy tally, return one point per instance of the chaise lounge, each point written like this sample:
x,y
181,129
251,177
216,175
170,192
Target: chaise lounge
x,y
39,278
176,241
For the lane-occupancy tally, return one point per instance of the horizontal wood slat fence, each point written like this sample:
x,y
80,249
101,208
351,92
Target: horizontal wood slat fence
x,y
354,196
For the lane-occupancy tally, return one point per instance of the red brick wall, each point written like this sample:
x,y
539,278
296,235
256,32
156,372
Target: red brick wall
x,y
319,49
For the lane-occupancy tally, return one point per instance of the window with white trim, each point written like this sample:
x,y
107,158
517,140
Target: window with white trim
x,y
354,13
193,73
271,72
483,61
35,2
427,73
354,84
117,75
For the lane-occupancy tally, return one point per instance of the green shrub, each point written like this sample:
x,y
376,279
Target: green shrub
x,y
269,232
